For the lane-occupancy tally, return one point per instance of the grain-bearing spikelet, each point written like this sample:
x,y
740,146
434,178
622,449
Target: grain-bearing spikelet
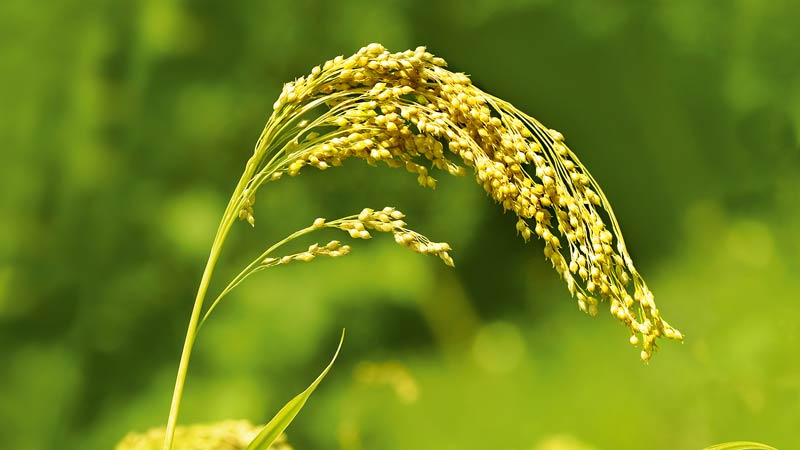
x,y
407,110
386,220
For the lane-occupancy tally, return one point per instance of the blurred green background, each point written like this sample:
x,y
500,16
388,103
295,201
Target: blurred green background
x,y
125,126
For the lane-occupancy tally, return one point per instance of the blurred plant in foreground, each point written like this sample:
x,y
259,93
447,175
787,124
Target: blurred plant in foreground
x,y
228,435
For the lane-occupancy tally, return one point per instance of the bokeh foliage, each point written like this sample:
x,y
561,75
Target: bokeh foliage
x,y
126,124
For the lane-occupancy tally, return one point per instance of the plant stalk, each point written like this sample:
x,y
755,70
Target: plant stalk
x,y
230,216
231,213
191,333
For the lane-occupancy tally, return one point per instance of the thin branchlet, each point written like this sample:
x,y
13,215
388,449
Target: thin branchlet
x,y
385,220
407,110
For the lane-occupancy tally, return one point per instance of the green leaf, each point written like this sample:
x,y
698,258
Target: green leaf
x,y
740,445
285,416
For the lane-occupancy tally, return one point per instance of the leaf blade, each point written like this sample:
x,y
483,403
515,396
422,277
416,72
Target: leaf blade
x,y
286,415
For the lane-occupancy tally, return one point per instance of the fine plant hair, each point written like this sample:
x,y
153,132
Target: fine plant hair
x,y
407,110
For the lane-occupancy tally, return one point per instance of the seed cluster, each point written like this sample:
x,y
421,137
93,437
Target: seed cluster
x,y
389,220
332,249
386,220
406,110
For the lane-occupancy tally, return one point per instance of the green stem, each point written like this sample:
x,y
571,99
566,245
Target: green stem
x,y
250,269
191,332
230,216
231,213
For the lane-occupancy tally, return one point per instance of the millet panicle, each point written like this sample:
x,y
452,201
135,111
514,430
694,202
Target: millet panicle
x,y
407,110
